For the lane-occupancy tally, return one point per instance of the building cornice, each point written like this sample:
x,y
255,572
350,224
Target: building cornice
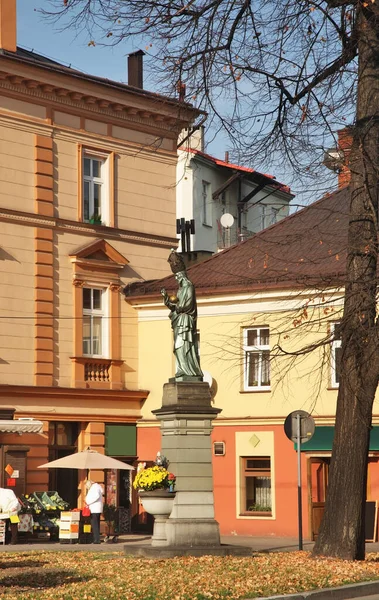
x,y
153,112
228,304
62,225
90,394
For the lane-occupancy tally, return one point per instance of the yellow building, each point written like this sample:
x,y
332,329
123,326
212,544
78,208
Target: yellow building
x,y
268,312
87,204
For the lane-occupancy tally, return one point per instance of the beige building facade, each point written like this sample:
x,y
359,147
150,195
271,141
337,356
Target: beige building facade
x,y
87,205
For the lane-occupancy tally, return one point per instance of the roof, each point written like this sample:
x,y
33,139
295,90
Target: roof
x,y
306,248
21,426
271,180
31,57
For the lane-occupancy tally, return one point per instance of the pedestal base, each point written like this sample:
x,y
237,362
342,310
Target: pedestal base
x,y
192,532
174,551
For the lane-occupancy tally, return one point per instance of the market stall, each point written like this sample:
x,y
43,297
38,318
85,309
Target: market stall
x,y
40,514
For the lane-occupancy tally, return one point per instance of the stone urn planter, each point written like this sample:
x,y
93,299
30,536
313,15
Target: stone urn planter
x,y
159,504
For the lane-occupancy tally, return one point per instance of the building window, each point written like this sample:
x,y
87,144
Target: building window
x,y
269,215
256,347
94,322
93,188
256,485
336,353
206,204
96,187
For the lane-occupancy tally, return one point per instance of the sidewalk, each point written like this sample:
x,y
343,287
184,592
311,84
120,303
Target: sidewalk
x,y
257,544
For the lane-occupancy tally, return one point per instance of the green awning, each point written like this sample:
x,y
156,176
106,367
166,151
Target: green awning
x,y
323,439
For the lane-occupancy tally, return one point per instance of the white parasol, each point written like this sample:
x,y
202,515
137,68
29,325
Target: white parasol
x,y
87,459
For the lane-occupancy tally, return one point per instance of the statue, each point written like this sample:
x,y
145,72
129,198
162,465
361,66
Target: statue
x,y
183,318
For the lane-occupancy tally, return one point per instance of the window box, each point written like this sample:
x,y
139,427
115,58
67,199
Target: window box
x,y
96,220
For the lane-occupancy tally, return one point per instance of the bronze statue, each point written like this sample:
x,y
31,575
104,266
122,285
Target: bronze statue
x,y
183,318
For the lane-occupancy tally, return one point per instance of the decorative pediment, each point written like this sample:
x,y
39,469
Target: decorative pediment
x,y
97,262
99,253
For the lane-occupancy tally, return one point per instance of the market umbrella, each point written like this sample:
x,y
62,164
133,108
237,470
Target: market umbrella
x,y
87,459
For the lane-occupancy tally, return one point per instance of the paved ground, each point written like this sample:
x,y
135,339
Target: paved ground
x,y
258,544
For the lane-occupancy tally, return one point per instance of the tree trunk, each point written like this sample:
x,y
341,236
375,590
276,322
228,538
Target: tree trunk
x,y
342,529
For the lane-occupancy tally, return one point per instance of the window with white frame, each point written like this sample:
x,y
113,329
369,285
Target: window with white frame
x,y
336,353
206,203
95,189
95,335
269,215
256,486
256,347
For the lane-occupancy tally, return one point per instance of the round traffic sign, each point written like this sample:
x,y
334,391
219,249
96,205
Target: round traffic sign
x,y
307,426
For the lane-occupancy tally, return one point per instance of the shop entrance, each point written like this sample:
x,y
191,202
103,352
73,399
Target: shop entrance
x,y
318,477
63,440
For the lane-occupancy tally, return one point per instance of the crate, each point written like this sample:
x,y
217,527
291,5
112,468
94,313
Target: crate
x,y
70,515
69,525
68,535
46,502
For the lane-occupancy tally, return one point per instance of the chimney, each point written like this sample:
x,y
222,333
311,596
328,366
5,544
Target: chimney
x,y
345,141
135,67
8,25
181,88
226,156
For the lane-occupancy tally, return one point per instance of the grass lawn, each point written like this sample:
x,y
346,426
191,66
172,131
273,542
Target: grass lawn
x,y
102,576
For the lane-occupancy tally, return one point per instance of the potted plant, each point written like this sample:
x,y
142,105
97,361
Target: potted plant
x,y
95,219
156,487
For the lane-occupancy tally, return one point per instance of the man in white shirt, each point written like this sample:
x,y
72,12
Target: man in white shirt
x,y
94,501
9,504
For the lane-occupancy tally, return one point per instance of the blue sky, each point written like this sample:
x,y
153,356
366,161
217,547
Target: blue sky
x,y
35,33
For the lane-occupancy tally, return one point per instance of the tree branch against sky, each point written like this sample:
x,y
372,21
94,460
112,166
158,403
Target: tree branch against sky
x,y
282,76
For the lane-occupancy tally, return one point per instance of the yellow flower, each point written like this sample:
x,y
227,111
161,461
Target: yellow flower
x,y
153,478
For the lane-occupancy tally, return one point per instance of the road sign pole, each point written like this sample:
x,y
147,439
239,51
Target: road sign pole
x,y
299,427
299,503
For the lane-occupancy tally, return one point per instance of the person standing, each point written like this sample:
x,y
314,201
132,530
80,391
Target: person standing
x,y
9,504
94,501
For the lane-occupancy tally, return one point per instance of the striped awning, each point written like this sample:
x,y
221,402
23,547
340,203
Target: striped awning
x,y
21,426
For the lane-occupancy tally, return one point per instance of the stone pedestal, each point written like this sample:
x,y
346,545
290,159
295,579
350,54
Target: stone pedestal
x,y
186,423
159,504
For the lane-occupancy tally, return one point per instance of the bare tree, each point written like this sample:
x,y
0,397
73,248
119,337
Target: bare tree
x,y
282,76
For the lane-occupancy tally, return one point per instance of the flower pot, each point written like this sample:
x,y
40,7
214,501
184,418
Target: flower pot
x,y
159,504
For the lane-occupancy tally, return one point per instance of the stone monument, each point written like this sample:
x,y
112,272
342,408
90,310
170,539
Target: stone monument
x,y
186,423
186,419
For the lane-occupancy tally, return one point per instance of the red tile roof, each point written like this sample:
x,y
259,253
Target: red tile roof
x,y
271,180
308,248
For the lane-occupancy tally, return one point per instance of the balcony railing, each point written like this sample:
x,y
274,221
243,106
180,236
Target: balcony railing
x,y
96,372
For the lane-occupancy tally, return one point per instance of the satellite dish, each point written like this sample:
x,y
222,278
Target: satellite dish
x,y
207,377
227,220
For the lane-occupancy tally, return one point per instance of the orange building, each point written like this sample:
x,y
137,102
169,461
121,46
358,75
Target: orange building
x,y
87,205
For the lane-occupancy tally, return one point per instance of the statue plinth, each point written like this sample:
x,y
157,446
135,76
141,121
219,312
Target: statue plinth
x,y
186,424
